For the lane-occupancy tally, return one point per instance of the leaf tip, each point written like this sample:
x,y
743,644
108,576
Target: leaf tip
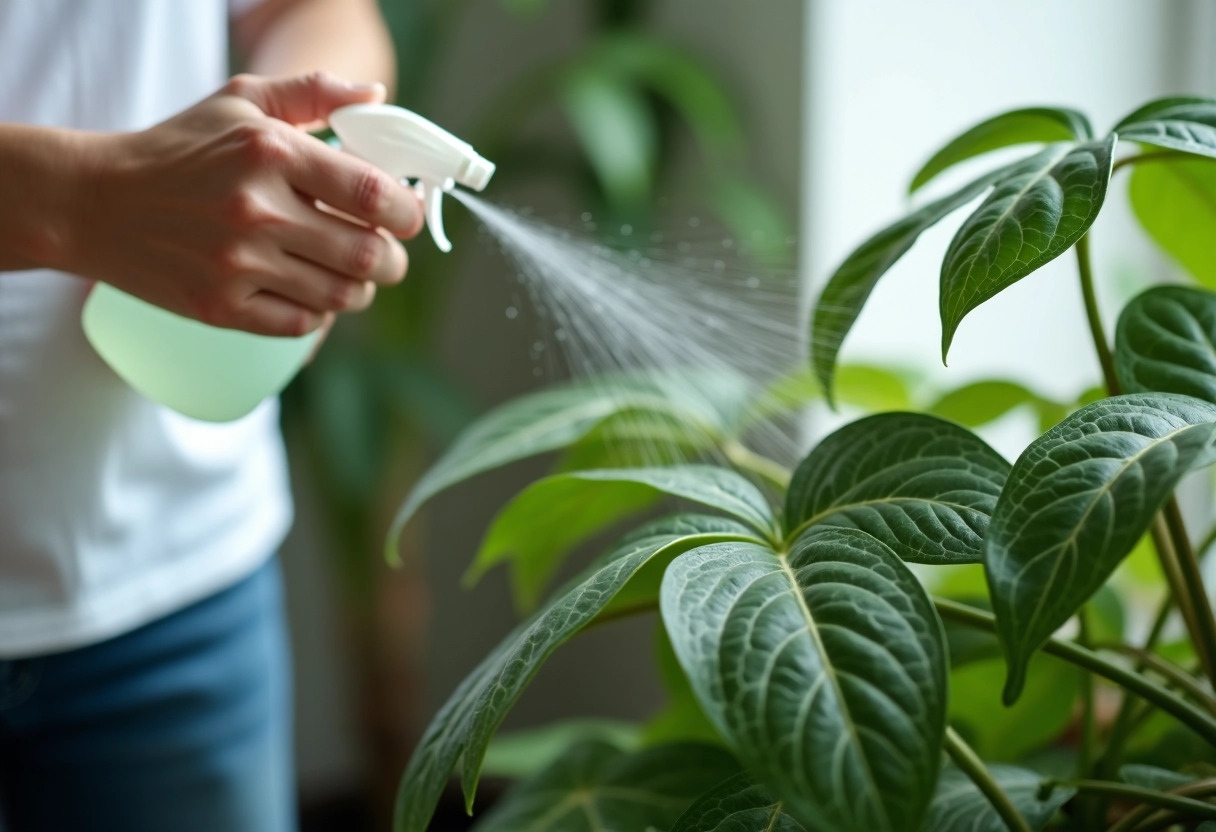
x,y
1014,682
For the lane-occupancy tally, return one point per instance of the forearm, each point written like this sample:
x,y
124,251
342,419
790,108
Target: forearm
x,y
345,37
44,191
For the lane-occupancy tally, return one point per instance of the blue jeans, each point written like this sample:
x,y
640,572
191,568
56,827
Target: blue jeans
x,y
182,725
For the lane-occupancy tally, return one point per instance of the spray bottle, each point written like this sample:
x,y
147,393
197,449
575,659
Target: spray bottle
x,y
219,374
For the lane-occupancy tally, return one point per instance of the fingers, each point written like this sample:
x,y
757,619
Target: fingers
x,y
317,289
266,313
342,247
303,99
356,188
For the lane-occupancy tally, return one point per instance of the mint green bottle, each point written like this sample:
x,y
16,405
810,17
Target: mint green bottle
x,y
219,375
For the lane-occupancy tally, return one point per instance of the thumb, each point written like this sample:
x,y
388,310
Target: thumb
x,y
303,99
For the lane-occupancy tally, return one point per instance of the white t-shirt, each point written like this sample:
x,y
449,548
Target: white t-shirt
x,y
114,511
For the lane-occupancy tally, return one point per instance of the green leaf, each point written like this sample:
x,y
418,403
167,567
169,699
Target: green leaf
x,y
617,131
1175,202
526,753
682,717
1075,504
858,385
740,804
1041,714
1153,777
595,787
850,285
1166,342
553,515
1035,213
464,725
1179,123
982,402
547,421
959,806
923,486
825,670
1034,124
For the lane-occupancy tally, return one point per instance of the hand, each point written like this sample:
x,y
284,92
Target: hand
x,y
214,213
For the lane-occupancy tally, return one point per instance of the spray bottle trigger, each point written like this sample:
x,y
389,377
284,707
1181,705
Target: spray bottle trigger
x,y
431,193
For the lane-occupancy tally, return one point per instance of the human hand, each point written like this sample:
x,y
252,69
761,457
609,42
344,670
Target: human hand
x,y
213,214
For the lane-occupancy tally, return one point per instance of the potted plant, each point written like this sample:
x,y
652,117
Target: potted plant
x,y
811,670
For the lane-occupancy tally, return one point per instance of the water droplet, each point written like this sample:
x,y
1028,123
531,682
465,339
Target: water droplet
x,y
585,216
727,242
683,246
719,265
512,313
538,346
753,282
626,230
560,335
693,222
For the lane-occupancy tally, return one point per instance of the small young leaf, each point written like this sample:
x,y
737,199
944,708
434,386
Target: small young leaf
x,y
959,806
464,725
1166,343
1175,202
1031,125
1075,504
982,402
1035,213
738,805
617,131
851,284
1179,123
923,486
595,787
825,670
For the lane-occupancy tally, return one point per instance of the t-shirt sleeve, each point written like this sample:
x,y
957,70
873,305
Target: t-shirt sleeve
x,y
236,8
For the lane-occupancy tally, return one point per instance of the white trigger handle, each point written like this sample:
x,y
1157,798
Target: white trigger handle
x,y
431,195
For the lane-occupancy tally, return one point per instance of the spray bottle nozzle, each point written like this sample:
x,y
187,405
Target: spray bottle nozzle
x,y
407,146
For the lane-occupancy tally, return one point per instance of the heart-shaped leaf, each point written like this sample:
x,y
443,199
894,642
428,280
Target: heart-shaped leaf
x,y
1036,211
596,787
464,725
738,805
1180,123
1166,343
923,486
1075,504
1033,124
553,515
558,417
1175,201
835,646
851,284
959,806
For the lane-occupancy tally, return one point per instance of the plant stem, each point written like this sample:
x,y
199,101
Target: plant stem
x,y
1134,818
1202,634
1167,800
1101,345
1172,673
969,762
1185,712
767,469
1192,581
1088,807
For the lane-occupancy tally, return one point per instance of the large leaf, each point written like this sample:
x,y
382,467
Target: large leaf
x,y
825,670
1179,123
1075,504
923,486
850,285
1166,342
464,725
550,420
1175,202
551,516
959,806
1033,124
595,787
1037,210
739,804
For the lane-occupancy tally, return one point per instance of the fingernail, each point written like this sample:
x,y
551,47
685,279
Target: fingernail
x,y
366,86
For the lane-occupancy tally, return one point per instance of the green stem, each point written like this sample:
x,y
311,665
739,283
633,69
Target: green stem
x,y
1166,800
1170,671
1141,814
1185,712
767,469
1101,345
1202,636
1193,584
970,764
1202,549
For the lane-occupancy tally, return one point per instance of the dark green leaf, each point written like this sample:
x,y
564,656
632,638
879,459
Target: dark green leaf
x,y
982,402
738,805
1179,123
825,670
595,787
526,753
851,284
682,718
1075,504
1166,342
1175,202
1153,777
464,725
1035,213
923,486
958,806
1033,124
